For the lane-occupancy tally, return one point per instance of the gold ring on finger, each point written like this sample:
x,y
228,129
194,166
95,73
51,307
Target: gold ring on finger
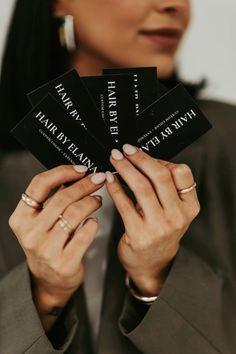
x,y
32,203
187,190
65,225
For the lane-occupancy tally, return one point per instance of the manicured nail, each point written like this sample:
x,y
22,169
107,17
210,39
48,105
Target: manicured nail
x,y
98,178
109,177
98,197
129,149
80,168
117,155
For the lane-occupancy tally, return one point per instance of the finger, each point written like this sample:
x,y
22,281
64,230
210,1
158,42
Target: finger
x,y
159,175
74,215
138,183
177,170
81,241
43,183
183,178
124,205
64,198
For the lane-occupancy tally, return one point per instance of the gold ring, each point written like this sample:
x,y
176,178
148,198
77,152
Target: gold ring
x,y
187,190
65,225
32,203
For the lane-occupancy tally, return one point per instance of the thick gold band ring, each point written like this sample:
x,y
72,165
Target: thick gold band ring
x,y
187,190
32,203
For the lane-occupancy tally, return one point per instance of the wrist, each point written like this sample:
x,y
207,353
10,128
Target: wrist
x,y
146,286
147,300
47,298
149,284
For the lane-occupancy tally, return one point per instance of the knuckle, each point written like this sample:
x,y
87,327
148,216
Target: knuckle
x,y
40,179
140,244
136,246
72,212
116,190
84,186
195,210
62,169
128,208
180,222
56,265
64,272
163,174
141,157
122,168
46,253
28,243
12,221
163,233
182,170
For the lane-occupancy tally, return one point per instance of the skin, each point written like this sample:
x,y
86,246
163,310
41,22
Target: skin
x,y
108,32
54,258
153,227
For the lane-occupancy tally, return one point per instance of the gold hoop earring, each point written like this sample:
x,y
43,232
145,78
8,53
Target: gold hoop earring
x,y
67,33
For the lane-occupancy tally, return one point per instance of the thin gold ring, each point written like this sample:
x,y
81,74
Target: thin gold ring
x,y
65,225
187,190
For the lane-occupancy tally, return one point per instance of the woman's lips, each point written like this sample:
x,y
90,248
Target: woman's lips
x,y
166,37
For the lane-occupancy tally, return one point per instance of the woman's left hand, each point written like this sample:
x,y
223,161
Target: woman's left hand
x,y
155,226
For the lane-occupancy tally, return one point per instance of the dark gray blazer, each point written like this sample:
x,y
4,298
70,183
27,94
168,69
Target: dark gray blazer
x,y
196,309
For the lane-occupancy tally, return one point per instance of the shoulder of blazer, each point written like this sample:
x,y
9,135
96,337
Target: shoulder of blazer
x,y
222,116
219,113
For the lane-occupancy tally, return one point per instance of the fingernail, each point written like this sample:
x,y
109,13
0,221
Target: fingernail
x,y
129,149
109,177
80,168
86,220
98,197
117,155
98,178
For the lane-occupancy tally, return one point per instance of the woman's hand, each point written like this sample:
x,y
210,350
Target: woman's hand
x,y
53,254
154,228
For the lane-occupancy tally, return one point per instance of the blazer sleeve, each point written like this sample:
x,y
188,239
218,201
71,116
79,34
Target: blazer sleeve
x,y
21,330
195,311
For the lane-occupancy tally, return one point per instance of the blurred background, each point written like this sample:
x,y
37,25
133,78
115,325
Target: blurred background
x,y
207,52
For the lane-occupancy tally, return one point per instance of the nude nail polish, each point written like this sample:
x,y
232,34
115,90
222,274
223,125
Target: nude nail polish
x,y
98,178
129,149
117,155
98,197
80,168
109,177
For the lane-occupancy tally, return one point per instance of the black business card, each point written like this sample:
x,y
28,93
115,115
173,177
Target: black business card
x,y
114,97
171,124
55,139
147,87
70,91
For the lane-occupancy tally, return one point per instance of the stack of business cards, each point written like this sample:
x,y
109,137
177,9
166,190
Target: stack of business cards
x,y
79,120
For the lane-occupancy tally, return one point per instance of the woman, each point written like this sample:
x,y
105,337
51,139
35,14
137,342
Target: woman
x,y
178,295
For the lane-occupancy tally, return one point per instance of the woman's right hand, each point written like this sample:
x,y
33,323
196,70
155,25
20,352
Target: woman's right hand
x,y
53,256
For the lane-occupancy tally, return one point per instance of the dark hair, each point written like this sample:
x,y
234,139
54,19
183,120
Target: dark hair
x,y
26,65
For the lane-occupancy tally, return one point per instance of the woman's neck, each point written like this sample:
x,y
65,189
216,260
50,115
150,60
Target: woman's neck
x,y
88,64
